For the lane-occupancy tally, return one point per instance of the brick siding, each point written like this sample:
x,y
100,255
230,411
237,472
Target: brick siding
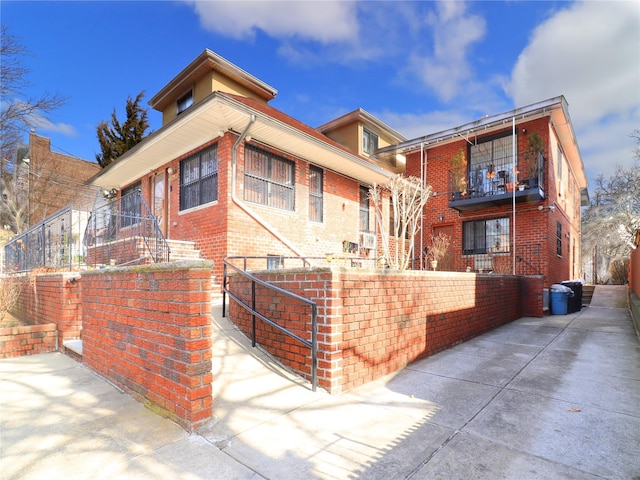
x,y
148,330
52,298
28,340
373,323
535,229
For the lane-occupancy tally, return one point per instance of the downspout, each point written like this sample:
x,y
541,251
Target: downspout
x,y
240,203
513,189
423,174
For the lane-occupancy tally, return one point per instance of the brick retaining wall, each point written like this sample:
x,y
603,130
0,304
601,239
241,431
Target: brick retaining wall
x,y
148,330
52,298
371,323
28,340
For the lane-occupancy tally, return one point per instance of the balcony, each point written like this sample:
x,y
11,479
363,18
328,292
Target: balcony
x,y
493,183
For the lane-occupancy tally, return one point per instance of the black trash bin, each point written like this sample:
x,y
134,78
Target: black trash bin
x,y
575,301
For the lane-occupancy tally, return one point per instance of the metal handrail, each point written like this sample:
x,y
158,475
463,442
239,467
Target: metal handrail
x,y
112,232
313,344
159,237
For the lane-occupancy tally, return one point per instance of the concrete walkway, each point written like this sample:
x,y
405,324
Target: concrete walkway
x,y
556,397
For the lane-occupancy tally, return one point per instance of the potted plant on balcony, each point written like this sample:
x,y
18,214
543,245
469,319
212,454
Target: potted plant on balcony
x,y
459,174
438,249
535,145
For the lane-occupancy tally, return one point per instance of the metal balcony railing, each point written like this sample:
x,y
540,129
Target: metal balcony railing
x,y
498,176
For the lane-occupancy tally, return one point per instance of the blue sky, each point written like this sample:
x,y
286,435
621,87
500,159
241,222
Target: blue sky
x,y
421,67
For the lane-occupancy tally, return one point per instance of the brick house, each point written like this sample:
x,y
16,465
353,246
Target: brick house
x,y
239,177
507,189
54,180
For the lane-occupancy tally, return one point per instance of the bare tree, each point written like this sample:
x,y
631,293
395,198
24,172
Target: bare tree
x,y
407,196
18,113
610,223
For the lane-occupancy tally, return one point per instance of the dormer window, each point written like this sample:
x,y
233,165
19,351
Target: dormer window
x,y
369,142
185,101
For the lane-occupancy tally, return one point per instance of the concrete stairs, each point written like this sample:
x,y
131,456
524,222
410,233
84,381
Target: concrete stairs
x,y
183,250
587,294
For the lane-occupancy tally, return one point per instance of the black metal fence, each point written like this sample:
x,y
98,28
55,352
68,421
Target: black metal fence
x,y
119,232
56,243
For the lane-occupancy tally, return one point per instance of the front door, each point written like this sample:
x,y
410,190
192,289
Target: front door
x,y
446,264
159,201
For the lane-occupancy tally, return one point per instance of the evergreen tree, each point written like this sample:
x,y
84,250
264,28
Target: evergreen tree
x,y
115,138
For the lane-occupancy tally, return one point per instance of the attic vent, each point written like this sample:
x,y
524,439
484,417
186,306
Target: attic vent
x,y
367,240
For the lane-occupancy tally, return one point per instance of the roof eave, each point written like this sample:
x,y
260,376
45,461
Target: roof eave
x,y
222,114
206,61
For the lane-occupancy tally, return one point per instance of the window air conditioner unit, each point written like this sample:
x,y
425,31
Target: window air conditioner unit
x,y
367,240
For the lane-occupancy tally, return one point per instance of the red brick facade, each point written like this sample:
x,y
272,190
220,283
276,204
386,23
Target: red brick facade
x,y
57,180
233,226
536,230
52,298
374,323
28,340
148,330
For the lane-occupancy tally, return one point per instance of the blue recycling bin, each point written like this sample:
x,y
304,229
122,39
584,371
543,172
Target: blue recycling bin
x,y
559,302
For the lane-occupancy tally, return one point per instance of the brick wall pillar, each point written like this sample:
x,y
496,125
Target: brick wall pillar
x,y
148,330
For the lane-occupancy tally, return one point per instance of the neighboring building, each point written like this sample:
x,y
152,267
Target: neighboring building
x,y
507,189
55,180
239,177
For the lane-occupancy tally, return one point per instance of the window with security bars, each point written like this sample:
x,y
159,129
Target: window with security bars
x,y
131,205
315,194
485,236
364,209
199,178
559,239
268,179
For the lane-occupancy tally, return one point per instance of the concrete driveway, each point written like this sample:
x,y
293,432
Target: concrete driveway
x,y
554,397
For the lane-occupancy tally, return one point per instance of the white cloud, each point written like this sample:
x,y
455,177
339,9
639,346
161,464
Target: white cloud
x,y
40,122
589,53
325,22
417,125
447,69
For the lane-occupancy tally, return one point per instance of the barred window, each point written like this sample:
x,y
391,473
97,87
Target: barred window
x,y
268,179
316,182
131,205
199,178
364,209
559,239
485,236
